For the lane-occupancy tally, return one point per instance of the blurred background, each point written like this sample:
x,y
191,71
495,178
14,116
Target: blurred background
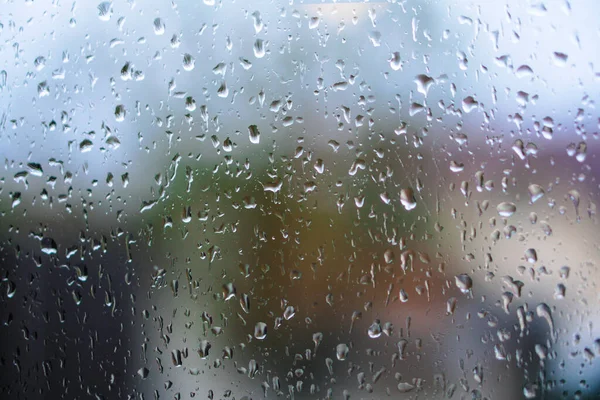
x,y
303,199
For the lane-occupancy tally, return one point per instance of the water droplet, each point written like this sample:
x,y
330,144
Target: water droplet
x,y
260,330
423,82
120,113
159,26
559,291
43,89
204,348
258,23
530,391
524,71
374,330
403,296
317,339
105,10
581,152
456,166
543,311
254,134
259,48
86,145
245,303
228,291
469,104
189,62
535,192
313,23
564,272
560,59
402,344
49,246
385,198
451,305
407,198
463,282
16,199
289,313
341,351
319,166
39,63
506,209
574,196
405,387
35,169
531,256
375,38
395,61
143,372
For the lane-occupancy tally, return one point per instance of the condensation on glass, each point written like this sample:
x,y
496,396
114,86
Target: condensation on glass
x,y
299,199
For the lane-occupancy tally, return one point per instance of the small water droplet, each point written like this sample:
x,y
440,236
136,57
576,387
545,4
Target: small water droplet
x,y
451,305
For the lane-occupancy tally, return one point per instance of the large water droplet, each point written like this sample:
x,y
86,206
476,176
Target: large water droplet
x,y
254,134
423,82
405,387
506,209
260,330
535,192
189,62
259,48
159,26
395,61
374,330
341,351
120,113
105,10
49,246
407,198
463,282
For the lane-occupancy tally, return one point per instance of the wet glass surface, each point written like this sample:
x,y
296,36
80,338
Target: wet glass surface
x,y
299,199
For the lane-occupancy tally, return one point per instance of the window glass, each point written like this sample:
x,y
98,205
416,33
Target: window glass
x,y
299,199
